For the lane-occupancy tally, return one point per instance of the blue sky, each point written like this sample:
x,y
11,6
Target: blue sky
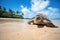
x,y
15,4
51,8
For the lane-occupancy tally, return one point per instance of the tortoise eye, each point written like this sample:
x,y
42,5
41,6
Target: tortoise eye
x,y
38,18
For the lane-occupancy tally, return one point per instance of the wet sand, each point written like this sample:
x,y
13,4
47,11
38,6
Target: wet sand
x,y
18,29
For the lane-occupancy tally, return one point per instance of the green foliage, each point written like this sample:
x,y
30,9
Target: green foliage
x,y
10,13
17,12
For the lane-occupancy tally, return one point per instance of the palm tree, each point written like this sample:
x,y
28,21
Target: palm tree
x,y
17,12
22,13
1,11
0,7
10,13
4,9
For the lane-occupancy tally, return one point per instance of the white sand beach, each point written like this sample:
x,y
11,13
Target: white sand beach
x,y
18,29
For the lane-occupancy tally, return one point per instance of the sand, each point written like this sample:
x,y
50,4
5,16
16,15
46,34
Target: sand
x,y
20,30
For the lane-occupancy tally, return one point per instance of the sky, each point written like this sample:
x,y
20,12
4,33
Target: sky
x,y
30,8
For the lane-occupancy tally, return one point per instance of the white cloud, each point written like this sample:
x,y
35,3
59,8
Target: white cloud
x,y
52,9
54,12
51,12
36,6
22,6
25,10
39,6
45,12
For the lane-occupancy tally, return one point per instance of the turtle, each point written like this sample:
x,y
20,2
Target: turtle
x,y
41,20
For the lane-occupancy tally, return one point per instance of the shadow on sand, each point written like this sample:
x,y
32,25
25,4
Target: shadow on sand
x,y
40,26
51,26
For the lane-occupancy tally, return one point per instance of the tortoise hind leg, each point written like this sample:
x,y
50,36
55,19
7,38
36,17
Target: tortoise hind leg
x,y
50,25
